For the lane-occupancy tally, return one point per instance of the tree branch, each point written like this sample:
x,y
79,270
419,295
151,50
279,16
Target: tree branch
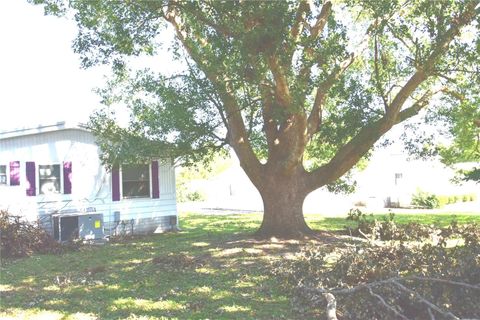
x,y
378,85
395,281
386,305
270,124
444,281
315,117
197,12
331,306
238,137
427,68
348,155
322,17
420,298
299,23
282,92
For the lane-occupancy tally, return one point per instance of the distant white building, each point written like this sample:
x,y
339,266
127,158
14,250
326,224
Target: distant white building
x,y
389,180
53,173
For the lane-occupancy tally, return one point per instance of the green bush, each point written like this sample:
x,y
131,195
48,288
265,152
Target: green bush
x,y
443,200
195,196
425,200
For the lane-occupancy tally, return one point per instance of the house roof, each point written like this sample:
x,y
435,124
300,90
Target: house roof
x,y
42,128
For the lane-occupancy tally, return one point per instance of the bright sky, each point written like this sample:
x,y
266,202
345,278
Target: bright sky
x,y
40,76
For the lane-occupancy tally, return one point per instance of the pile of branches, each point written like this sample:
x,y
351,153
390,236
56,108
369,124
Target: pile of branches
x,y
429,279
20,238
386,228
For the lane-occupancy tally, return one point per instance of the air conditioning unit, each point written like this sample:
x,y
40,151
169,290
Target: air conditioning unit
x,y
86,226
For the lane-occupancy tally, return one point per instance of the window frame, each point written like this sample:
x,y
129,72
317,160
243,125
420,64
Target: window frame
x,y
7,175
37,178
120,173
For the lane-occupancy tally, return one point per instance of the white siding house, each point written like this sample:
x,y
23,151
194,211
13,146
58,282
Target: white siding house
x,y
53,173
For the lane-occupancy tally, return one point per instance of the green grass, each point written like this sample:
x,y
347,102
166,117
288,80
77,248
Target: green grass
x,y
211,269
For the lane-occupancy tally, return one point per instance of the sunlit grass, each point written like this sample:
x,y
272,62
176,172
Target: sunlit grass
x,y
212,269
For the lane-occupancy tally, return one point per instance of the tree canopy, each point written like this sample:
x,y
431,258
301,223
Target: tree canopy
x,y
300,90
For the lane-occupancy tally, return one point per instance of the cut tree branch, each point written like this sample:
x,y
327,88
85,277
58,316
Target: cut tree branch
x,y
391,282
420,298
331,306
385,304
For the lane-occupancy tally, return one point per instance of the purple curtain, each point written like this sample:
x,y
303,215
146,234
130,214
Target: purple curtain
x,y
67,177
31,182
15,173
155,182
115,183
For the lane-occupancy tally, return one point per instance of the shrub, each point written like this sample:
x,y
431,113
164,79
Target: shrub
x,y
425,199
19,238
184,194
195,196
443,200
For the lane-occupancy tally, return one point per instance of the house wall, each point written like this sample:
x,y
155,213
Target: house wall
x,y
91,184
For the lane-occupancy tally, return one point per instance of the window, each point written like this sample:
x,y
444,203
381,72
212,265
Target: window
x,y
398,177
136,181
49,179
3,175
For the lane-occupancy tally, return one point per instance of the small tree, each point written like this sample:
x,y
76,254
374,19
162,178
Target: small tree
x,y
300,90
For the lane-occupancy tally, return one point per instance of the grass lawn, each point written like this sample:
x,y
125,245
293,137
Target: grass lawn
x,y
212,269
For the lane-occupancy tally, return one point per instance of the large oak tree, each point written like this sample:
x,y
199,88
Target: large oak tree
x,y
300,90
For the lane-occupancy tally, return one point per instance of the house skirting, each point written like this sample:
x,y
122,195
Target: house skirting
x,y
139,226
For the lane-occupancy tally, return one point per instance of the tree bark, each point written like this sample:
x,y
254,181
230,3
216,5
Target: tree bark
x,y
283,198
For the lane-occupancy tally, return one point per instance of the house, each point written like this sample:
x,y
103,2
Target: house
x,y
53,173
389,181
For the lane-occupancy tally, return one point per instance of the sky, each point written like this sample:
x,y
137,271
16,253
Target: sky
x,y
41,81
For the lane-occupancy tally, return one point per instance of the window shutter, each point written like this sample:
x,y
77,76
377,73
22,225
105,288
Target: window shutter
x,y
155,182
115,183
15,173
67,177
31,182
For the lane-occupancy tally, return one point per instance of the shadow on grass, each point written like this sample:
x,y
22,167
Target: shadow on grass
x,y
211,269
205,271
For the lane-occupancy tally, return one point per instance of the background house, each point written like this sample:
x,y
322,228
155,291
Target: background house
x,y
390,180
53,173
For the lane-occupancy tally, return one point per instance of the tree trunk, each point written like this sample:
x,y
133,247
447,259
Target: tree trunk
x,y
283,211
